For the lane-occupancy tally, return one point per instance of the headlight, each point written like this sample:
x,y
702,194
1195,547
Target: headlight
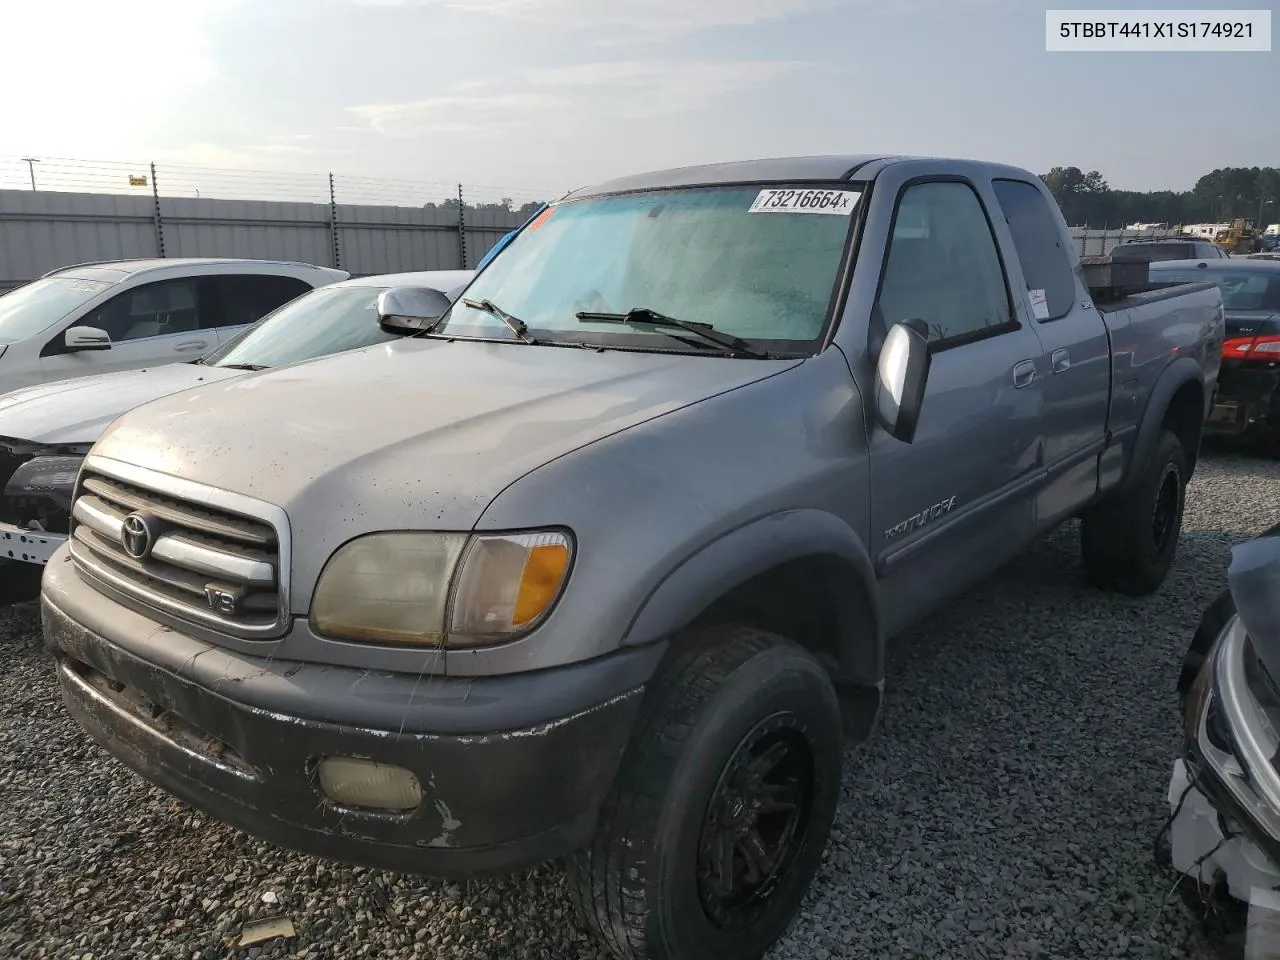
x,y
398,588
388,588
52,478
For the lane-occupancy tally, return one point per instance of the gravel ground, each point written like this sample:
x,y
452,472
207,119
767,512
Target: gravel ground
x,y
1006,807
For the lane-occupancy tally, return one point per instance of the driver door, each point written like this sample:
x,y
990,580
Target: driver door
x,y
959,499
167,321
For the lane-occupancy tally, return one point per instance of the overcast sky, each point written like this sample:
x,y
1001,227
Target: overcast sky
x,y
549,94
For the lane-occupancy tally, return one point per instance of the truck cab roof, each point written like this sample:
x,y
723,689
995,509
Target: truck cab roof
x,y
781,170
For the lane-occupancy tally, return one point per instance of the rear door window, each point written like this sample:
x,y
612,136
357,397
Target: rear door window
x,y
246,298
1045,263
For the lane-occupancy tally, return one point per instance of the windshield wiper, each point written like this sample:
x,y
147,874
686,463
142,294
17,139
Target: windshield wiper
x,y
643,316
515,323
243,366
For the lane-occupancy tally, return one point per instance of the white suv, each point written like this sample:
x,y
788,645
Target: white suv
x,y
125,314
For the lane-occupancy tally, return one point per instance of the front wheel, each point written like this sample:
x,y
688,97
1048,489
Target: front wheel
x,y
719,815
1129,543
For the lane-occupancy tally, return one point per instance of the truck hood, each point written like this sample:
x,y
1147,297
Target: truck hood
x,y
76,411
410,434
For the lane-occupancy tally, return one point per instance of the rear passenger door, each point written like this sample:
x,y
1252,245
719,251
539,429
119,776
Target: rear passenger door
x,y
958,500
243,299
1077,389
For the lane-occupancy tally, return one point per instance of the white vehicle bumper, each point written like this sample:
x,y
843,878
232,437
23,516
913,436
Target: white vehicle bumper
x,y
1202,850
28,546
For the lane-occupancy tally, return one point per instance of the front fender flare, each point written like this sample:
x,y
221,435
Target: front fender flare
x,y
756,547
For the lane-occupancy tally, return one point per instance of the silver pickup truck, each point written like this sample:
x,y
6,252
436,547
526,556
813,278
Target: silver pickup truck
x,y
604,563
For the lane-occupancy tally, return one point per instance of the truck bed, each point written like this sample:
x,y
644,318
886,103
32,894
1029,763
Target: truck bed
x,y
1154,293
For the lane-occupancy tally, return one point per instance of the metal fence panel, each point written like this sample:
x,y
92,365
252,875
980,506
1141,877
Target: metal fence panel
x,y
41,230
247,228
384,239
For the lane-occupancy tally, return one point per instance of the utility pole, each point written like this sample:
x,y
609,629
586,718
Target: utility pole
x,y
31,169
1262,211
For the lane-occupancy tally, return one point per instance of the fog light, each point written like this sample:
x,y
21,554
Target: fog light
x,y
363,783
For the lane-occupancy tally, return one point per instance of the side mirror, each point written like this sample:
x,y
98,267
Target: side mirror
x,y
86,338
902,372
411,309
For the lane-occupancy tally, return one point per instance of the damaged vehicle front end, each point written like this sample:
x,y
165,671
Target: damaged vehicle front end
x,y
1225,791
36,485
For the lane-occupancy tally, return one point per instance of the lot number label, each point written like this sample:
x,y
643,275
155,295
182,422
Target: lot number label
x,y
838,202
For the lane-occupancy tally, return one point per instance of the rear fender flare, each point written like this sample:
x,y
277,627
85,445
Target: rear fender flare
x,y
1176,375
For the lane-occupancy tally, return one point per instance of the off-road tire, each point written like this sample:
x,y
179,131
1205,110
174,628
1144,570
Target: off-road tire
x,y
1129,543
637,884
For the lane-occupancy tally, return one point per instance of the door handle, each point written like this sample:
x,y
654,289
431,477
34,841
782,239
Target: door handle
x,y
1023,373
1061,361
190,345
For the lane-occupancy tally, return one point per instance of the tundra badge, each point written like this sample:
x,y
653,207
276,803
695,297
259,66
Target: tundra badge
x,y
918,520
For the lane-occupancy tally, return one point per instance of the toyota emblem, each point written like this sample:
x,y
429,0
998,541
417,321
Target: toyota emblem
x,y
136,536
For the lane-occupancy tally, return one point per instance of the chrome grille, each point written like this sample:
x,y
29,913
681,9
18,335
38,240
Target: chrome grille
x,y
179,556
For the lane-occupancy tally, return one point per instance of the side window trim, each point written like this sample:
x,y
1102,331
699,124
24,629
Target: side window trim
x,y
974,336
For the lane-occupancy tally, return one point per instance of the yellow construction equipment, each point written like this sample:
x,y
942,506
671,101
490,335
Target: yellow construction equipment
x,y
1240,237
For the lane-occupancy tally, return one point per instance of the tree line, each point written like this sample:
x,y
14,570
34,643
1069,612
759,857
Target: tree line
x,y
1224,194
523,211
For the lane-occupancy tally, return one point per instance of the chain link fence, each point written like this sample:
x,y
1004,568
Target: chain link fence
x,y
55,212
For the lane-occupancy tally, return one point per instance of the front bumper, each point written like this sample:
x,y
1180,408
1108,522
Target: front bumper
x,y
1205,847
1225,792
512,769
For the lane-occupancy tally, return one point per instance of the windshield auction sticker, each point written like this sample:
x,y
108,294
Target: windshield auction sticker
x,y
791,200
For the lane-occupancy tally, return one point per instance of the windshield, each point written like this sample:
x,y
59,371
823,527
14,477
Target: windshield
x,y
1241,290
759,264
36,306
316,324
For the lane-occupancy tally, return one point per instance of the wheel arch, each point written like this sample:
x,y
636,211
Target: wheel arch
x,y
801,573
1177,403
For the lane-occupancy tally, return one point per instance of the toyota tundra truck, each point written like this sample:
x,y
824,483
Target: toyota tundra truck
x,y
603,565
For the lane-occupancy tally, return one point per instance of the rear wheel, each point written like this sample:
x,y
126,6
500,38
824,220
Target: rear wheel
x,y
1129,543
718,818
